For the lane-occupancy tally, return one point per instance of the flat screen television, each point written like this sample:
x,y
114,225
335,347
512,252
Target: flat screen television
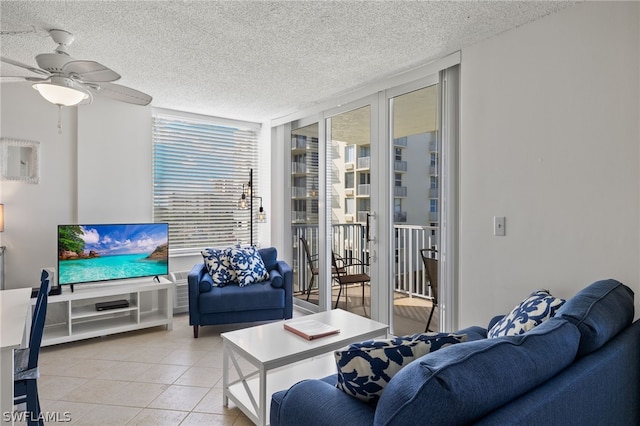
x,y
96,253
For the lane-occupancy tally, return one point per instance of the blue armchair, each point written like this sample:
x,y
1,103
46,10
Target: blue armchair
x,y
267,300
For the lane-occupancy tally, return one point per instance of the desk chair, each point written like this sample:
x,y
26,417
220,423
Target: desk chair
x,y
25,387
431,270
343,277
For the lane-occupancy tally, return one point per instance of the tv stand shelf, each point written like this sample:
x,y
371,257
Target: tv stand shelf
x,y
150,305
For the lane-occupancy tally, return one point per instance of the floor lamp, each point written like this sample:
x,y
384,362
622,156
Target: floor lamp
x,y
247,199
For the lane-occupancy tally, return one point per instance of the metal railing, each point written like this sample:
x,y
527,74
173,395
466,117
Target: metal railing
x,y
349,241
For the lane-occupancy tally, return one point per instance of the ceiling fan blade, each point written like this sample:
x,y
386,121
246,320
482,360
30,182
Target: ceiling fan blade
x,y
11,79
25,66
90,71
122,93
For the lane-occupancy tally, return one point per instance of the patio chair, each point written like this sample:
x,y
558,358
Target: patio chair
x,y
431,270
343,276
311,261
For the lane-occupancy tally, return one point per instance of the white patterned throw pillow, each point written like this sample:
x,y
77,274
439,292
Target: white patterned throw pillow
x,y
365,368
219,266
532,311
248,265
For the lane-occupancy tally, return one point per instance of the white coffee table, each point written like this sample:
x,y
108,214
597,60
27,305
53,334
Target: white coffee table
x,y
279,358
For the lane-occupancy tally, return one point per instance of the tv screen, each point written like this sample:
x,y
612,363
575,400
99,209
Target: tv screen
x,y
91,253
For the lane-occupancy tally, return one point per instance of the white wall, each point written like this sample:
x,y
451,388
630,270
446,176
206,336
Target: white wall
x,y
550,139
115,177
32,211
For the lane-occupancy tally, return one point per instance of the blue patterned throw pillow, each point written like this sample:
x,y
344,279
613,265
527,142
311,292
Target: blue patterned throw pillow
x,y
219,266
248,265
532,311
365,368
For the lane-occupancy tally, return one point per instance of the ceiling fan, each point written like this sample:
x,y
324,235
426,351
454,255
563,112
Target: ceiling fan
x,y
65,81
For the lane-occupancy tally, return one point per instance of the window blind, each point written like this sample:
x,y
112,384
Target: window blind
x,y
199,169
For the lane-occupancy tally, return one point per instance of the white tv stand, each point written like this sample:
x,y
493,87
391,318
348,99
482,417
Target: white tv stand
x,y
150,305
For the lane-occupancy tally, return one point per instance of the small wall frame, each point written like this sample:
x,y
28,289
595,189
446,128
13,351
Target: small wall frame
x,y
20,160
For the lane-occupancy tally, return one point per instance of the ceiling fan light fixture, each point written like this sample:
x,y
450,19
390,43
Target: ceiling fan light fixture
x,y
61,91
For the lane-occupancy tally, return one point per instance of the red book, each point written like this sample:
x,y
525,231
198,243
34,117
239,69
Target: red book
x,y
311,329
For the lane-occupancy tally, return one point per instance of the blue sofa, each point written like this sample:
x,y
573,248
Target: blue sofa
x,y
267,300
580,367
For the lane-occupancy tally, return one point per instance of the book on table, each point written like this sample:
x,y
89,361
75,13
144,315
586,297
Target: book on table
x,y
311,329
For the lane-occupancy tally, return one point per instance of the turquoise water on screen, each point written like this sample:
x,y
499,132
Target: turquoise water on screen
x,y
109,268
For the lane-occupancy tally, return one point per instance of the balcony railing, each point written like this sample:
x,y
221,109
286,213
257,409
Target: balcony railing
x,y
298,191
298,167
399,191
400,216
364,162
364,189
399,166
349,240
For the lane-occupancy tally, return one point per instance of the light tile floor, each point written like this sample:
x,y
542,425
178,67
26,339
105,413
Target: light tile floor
x,y
147,377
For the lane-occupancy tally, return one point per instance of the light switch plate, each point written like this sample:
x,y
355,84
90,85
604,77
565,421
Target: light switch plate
x,y
499,226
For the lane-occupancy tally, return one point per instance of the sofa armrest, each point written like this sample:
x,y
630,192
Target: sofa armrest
x,y
193,280
287,274
315,402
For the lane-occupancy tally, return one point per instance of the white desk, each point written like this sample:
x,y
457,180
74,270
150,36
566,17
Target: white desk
x,y
280,358
14,320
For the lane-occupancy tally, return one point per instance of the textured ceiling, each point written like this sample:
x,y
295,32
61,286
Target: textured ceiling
x,y
256,60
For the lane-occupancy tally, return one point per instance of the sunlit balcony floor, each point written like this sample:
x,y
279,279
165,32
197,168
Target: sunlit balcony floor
x,y
410,314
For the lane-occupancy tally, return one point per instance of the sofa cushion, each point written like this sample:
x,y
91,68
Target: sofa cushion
x,y
269,256
461,383
233,298
600,311
219,266
276,279
206,283
248,264
365,368
532,311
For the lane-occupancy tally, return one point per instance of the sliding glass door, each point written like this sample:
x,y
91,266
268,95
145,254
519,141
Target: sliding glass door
x,y
413,130
368,192
350,173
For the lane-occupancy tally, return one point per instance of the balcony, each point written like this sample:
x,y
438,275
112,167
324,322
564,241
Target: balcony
x,y
399,217
298,168
399,166
349,240
364,162
362,216
364,189
298,217
298,192
299,143
399,191
400,141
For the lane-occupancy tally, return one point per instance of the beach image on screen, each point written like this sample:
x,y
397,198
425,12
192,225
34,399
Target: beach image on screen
x,y
88,253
